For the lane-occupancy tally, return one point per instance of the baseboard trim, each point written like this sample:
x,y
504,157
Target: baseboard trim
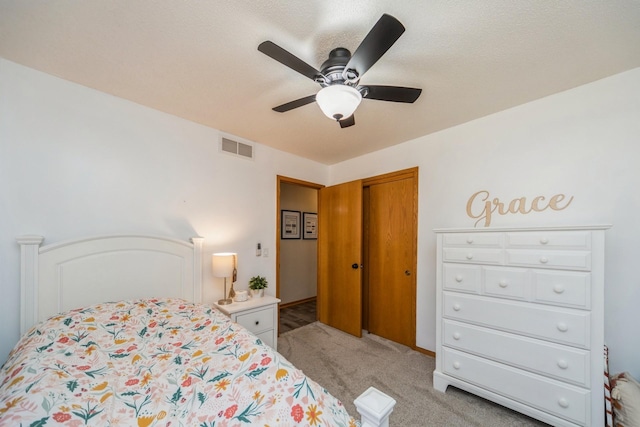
x,y
424,351
302,301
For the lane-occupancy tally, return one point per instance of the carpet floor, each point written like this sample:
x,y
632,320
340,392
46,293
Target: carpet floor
x,y
346,366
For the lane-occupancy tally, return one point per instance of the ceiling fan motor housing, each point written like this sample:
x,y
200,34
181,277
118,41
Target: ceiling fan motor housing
x,y
332,69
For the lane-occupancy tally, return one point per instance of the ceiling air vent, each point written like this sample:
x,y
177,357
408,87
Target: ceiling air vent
x,y
236,148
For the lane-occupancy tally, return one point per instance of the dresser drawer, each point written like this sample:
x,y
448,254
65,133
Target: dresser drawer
x,y
463,278
491,240
258,320
552,360
506,282
562,400
564,326
550,239
571,260
473,255
571,289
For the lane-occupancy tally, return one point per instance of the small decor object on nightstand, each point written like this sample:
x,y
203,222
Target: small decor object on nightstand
x,y
241,296
257,284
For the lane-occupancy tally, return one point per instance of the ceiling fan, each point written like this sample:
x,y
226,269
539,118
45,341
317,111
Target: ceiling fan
x,y
340,75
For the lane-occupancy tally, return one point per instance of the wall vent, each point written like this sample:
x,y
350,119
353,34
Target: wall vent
x,y
236,148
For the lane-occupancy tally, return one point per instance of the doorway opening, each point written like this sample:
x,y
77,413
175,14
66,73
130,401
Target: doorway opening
x,y
296,252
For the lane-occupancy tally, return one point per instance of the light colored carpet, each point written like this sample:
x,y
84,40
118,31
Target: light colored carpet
x,y
346,366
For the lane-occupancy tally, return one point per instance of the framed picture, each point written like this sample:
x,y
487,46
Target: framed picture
x,y
290,224
310,221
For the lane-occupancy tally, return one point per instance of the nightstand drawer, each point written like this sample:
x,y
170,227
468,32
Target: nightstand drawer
x,y
258,320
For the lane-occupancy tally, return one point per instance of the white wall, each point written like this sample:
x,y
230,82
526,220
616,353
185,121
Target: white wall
x,y
298,257
76,162
583,143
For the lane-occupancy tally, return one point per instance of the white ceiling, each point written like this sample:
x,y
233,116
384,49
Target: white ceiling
x,y
198,59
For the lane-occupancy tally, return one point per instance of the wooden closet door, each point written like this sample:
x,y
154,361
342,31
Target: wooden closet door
x,y
391,259
340,256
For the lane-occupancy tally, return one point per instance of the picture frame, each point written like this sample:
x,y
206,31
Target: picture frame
x,y
310,226
289,224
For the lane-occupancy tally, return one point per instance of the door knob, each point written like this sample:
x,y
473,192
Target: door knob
x,y
354,265
407,273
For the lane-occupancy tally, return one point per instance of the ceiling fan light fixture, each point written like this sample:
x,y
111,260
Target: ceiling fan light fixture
x,y
338,101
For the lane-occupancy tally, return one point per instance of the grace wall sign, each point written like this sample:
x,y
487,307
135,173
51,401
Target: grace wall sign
x,y
481,206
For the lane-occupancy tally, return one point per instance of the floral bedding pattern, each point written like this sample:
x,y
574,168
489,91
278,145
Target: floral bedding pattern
x,y
156,362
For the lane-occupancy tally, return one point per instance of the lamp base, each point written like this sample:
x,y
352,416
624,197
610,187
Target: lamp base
x,y
225,301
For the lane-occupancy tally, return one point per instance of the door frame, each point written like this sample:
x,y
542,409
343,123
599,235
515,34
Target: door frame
x,y
287,180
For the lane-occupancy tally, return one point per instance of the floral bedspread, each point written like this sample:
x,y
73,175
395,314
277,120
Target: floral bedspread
x,y
157,362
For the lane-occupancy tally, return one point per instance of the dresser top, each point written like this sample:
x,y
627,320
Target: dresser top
x,y
507,229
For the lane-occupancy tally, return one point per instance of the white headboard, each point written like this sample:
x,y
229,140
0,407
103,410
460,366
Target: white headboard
x,y
72,274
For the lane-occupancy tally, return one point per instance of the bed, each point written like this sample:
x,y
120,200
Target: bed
x,y
114,333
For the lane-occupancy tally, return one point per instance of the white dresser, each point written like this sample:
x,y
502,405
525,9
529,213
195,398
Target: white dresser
x,y
520,319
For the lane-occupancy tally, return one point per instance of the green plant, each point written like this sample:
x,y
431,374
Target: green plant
x,y
258,282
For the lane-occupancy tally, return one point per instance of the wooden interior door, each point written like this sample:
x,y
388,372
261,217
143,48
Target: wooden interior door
x,y
340,257
391,256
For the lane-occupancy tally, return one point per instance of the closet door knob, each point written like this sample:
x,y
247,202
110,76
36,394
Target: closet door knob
x,y
354,265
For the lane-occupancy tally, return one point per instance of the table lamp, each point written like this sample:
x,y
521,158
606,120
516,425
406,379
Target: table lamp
x,y
222,265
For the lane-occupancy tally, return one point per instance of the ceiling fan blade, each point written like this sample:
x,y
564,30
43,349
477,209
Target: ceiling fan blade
x,y
284,57
349,121
295,104
392,93
381,37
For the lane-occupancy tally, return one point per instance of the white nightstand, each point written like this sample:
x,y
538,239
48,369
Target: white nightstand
x,y
259,315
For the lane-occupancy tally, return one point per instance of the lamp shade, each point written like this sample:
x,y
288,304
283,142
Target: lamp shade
x,y
222,264
338,101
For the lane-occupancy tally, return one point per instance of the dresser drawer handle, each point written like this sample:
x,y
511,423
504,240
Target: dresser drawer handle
x,y
257,322
456,307
469,256
544,241
544,260
558,289
456,336
503,283
469,240
456,365
564,403
562,327
459,278
562,364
